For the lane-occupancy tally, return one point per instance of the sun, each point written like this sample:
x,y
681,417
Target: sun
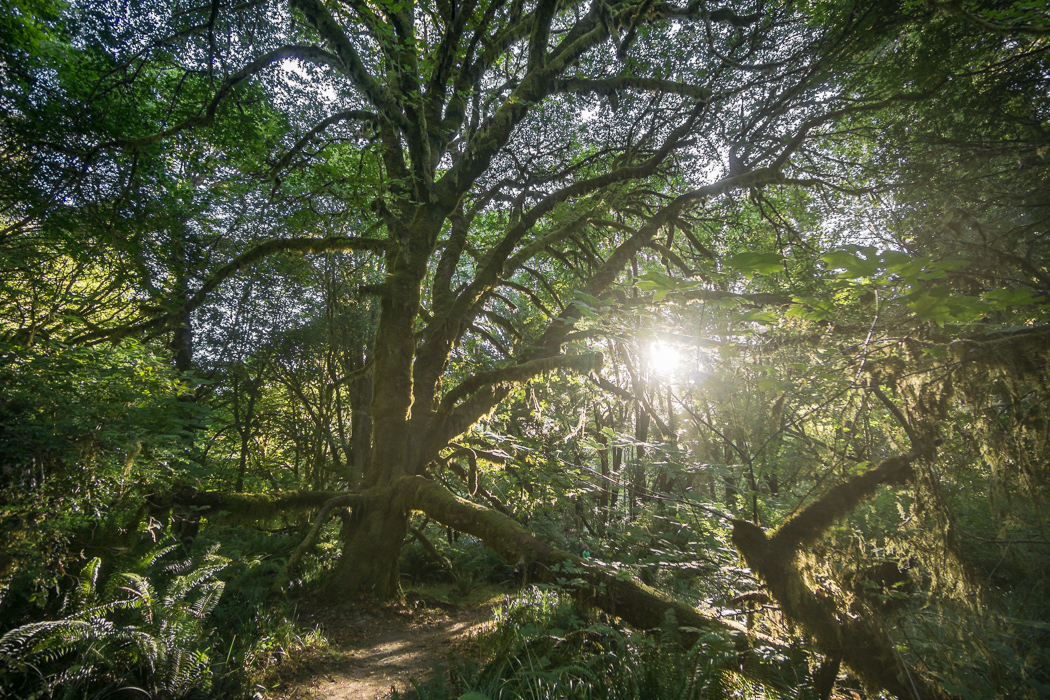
x,y
664,359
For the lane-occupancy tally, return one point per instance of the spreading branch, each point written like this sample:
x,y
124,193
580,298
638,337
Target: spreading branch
x,y
863,646
303,246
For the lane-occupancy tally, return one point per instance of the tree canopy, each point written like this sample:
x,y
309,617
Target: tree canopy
x,y
560,276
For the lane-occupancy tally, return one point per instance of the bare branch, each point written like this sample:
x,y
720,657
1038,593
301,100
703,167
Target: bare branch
x,y
358,114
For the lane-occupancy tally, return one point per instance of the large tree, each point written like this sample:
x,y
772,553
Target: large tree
x,y
510,168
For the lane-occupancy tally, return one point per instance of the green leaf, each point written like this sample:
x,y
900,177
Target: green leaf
x,y
855,266
1011,297
930,307
760,316
654,281
756,263
894,261
811,308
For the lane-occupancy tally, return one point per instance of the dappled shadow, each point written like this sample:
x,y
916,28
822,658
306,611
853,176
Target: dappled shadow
x,y
375,650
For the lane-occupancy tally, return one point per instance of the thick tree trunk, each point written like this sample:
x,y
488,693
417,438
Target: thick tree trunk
x,y
372,543
360,425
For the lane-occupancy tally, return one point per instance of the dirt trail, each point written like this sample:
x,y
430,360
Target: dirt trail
x,y
374,650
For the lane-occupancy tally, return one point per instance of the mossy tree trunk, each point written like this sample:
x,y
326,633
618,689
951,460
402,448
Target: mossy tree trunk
x,y
372,542
376,530
443,141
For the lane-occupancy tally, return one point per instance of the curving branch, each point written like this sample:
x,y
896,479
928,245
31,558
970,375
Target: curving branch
x,y
516,374
809,525
243,506
268,247
541,32
800,136
359,114
637,604
343,501
604,86
485,391
321,20
865,648
496,263
492,136
958,9
162,318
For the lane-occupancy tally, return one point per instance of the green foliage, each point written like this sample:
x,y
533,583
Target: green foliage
x,y
926,286
146,627
84,433
470,563
544,646
887,284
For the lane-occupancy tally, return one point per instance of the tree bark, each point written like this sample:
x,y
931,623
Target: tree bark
x,y
371,548
864,647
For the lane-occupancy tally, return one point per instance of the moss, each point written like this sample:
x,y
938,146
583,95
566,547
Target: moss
x,y
865,648
634,602
250,507
811,523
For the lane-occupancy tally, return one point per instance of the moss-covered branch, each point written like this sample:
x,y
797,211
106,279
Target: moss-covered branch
x,y
636,603
810,524
305,53
317,130
246,507
347,499
259,251
865,648
484,391
321,20
516,374
625,82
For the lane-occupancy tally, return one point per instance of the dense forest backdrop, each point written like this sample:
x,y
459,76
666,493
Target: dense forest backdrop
x,y
729,321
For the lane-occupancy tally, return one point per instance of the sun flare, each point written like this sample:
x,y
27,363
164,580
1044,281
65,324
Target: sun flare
x,y
664,359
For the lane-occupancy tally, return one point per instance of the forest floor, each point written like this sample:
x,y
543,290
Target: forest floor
x,y
374,650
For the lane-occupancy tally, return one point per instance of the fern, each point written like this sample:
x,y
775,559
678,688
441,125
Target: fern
x,y
144,628
542,649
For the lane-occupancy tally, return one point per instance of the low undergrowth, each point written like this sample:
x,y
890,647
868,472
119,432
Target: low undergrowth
x,y
145,628
165,623
544,647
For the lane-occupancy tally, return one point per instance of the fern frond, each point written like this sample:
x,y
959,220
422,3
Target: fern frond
x,y
130,627
183,585
21,638
164,548
178,567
